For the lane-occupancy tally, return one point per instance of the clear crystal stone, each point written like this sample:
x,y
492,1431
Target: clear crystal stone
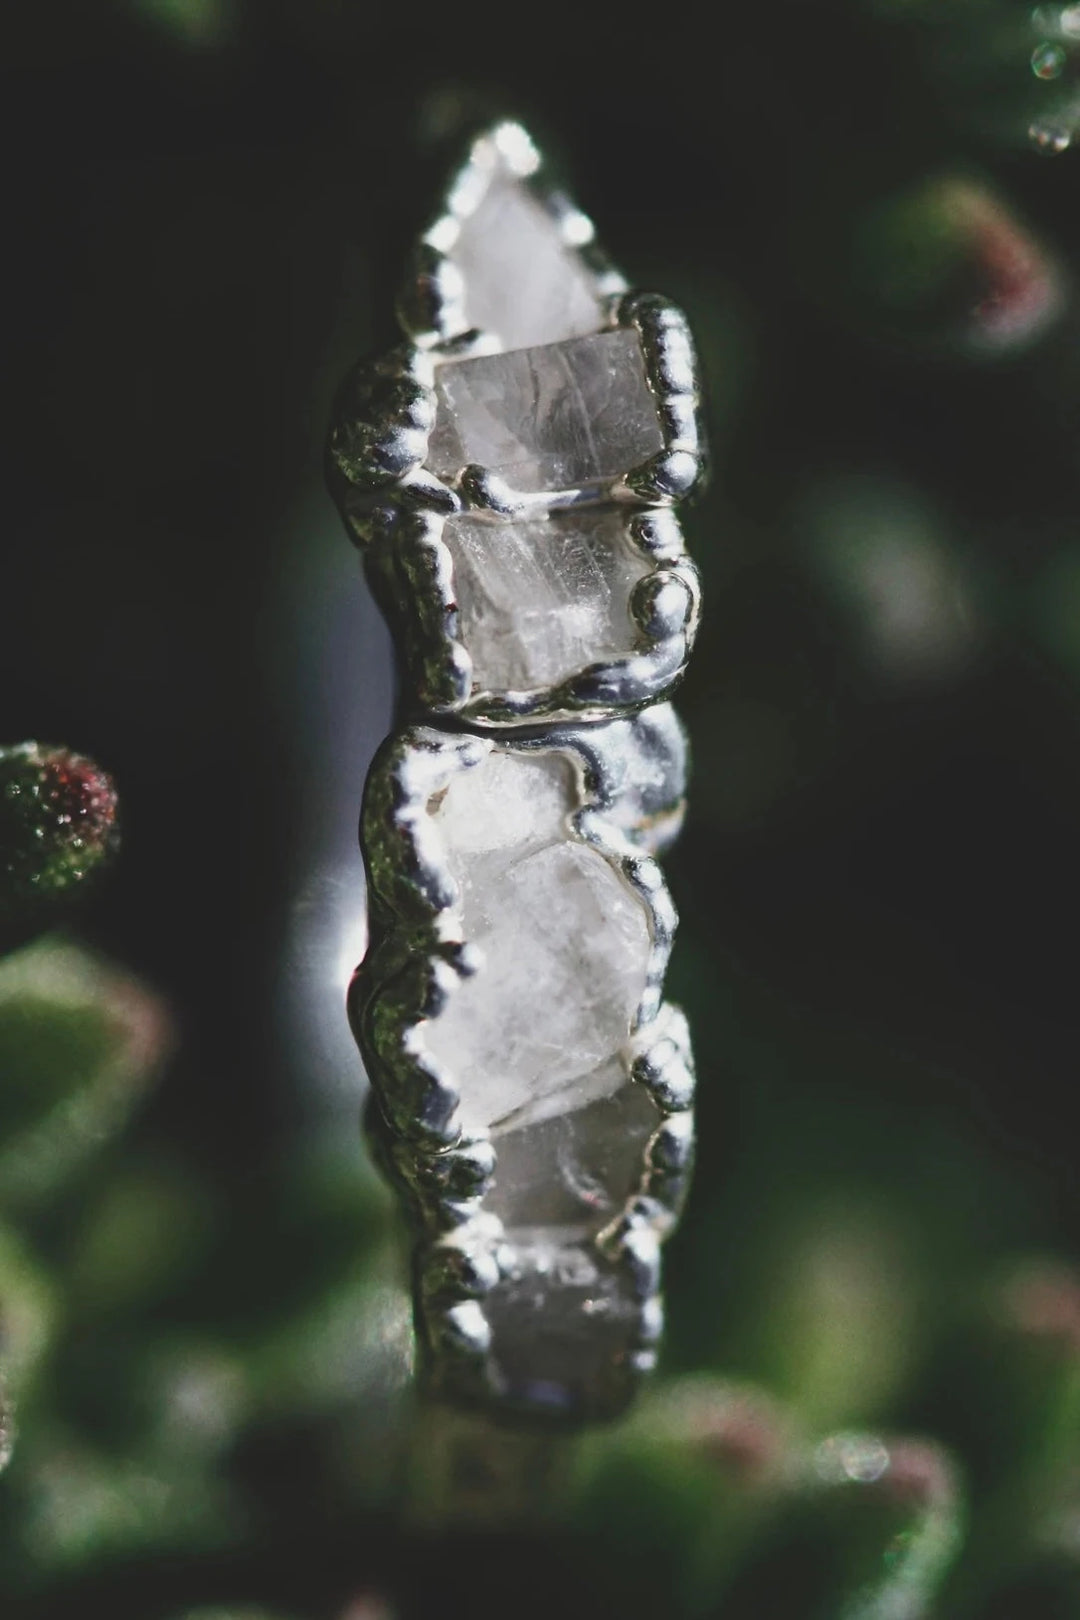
x,y
551,418
522,283
563,941
543,598
575,1170
560,1324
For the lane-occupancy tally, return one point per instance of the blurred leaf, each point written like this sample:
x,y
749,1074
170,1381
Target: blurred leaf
x,y
1008,1387
677,1495
27,1322
198,24
143,1235
80,1041
947,262
82,1509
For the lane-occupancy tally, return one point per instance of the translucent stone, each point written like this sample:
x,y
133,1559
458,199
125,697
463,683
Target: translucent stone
x,y
561,1323
572,1171
541,599
523,283
551,418
563,941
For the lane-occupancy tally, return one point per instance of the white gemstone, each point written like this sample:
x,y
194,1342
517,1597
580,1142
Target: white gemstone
x,y
523,284
563,941
572,1170
551,418
541,599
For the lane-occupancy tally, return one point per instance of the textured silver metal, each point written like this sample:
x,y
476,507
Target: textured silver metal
x,y
523,1321
412,571
418,953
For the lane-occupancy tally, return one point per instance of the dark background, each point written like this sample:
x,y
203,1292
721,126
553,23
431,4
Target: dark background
x,y
205,209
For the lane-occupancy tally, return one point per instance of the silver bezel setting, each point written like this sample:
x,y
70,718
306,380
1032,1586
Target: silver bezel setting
x,y
388,407
415,570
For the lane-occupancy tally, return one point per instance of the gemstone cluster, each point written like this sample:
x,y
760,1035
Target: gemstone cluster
x,y
510,474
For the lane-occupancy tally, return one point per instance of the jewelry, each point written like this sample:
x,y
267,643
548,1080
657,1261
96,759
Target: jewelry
x,y
509,473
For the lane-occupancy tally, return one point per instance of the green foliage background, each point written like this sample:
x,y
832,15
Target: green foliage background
x,y
207,204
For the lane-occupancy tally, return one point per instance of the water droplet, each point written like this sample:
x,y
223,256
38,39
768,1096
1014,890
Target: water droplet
x,y
860,1458
1069,22
1047,60
1049,139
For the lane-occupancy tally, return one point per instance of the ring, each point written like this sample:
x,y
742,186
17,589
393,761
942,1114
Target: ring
x,y
509,472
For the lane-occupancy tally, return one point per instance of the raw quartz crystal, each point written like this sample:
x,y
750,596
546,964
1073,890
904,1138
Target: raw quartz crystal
x,y
523,283
564,946
566,1176
560,1323
559,417
541,598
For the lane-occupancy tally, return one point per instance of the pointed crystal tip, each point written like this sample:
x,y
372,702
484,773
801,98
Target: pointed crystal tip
x,y
523,282
510,251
